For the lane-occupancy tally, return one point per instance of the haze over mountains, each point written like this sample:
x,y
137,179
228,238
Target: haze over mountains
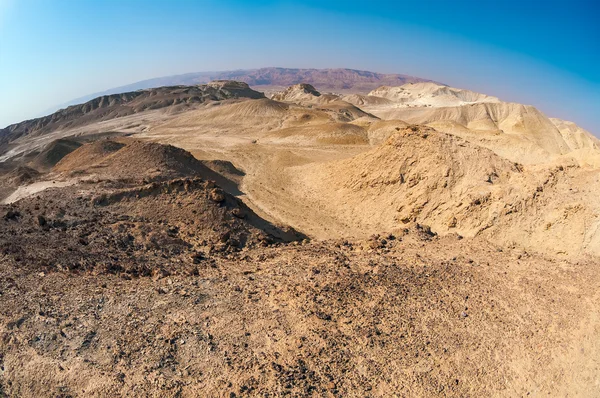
x,y
325,79
342,233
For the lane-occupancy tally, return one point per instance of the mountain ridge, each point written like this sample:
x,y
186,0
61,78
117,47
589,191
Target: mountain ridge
x,y
254,77
116,105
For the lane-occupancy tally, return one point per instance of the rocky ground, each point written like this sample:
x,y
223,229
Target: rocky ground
x,y
102,298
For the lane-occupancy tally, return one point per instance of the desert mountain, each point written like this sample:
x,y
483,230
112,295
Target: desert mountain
x,y
517,132
114,106
323,79
118,105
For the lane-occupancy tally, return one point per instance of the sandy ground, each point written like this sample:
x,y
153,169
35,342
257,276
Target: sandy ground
x,y
32,189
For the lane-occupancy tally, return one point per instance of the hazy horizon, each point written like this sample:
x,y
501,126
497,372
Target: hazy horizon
x,y
539,54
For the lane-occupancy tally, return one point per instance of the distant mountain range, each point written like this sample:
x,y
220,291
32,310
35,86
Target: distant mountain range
x,y
323,79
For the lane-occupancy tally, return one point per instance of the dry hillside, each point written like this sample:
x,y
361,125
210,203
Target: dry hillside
x,y
517,132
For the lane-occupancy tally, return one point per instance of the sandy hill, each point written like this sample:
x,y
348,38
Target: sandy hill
x,y
297,93
137,159
53,153
88,155
430,94
511,119
417,175
365,100
429,177
262,118
576,137
517,132
247,118
263,107
306,95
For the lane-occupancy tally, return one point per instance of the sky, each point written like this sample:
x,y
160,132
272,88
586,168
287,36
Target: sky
x,y
544,53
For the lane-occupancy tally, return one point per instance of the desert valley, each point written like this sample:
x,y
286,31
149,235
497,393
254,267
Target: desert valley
x,y
299,232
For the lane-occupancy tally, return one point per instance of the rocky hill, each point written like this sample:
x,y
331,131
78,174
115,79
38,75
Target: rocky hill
x,y
425,176
297,92
517,132
113,106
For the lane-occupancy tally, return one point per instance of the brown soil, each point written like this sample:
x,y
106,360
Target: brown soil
x,y
88,155
137,160
408,315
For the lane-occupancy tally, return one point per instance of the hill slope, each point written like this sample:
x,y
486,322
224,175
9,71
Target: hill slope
x,y
108,107
429,177
53,153
517,132
429,93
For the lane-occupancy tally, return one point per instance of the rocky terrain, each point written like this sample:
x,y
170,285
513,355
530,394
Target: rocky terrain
x,y
416,240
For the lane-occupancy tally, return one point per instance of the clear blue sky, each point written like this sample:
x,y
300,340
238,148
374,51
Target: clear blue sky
x,y
540,52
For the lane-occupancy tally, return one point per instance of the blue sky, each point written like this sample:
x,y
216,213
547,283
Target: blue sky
x,y
540,52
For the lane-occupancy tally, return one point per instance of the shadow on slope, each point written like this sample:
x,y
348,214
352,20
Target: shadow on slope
x,y
131,230
53,153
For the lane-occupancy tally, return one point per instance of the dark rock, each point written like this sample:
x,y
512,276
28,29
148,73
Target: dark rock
x,y
12,215
239,213
225,236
